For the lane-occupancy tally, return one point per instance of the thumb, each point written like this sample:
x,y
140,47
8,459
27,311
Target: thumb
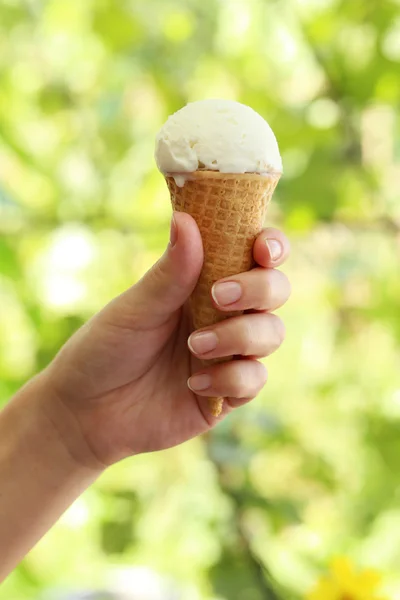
x,y
171,280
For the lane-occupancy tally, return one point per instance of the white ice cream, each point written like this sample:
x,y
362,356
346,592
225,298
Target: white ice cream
x,y
218,135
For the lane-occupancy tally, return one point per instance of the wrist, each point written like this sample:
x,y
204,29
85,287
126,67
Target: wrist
x,y
57,419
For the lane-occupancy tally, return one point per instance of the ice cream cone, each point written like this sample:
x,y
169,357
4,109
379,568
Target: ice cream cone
x,y
229,210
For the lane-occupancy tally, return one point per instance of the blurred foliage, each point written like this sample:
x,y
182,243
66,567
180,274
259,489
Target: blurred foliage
x,y
312,468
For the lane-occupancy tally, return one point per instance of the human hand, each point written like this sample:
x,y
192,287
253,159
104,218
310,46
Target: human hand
x,y
120,384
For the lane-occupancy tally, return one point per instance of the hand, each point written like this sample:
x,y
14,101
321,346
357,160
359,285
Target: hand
x,y
120,383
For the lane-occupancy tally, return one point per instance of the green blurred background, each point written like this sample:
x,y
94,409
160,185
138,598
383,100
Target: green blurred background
x,y
312,468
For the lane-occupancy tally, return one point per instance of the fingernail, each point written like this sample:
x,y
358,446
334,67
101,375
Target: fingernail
x,y
173,234
202,342
275,249
198,383
226,293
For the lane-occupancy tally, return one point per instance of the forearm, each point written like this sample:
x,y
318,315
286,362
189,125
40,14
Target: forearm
x,y
39,474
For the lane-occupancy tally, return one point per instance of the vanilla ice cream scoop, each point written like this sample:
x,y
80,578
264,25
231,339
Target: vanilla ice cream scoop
x,y
217,135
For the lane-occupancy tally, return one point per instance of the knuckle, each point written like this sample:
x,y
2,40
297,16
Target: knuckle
x,y
246,382
247,337
280,288
267,289
238,383
286,285
271,333
261,379
256,383
279,330
158,271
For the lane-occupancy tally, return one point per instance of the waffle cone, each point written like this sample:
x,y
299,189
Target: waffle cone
x,y
229,210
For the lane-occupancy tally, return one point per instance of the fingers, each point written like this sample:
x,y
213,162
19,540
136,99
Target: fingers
x,y
252,335
258,289
234,379
271,248
256,335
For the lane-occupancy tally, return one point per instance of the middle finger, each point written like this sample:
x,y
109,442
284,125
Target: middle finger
x,y
258,289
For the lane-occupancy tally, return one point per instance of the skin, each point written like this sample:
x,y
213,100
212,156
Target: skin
x,y
125,383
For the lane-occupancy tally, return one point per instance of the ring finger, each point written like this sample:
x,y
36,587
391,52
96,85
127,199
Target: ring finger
x,y
257,334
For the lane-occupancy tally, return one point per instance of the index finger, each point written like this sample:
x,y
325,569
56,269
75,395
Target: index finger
x,y
271,248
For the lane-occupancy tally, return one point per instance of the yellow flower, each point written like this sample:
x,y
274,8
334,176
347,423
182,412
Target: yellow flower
x,y
344,582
